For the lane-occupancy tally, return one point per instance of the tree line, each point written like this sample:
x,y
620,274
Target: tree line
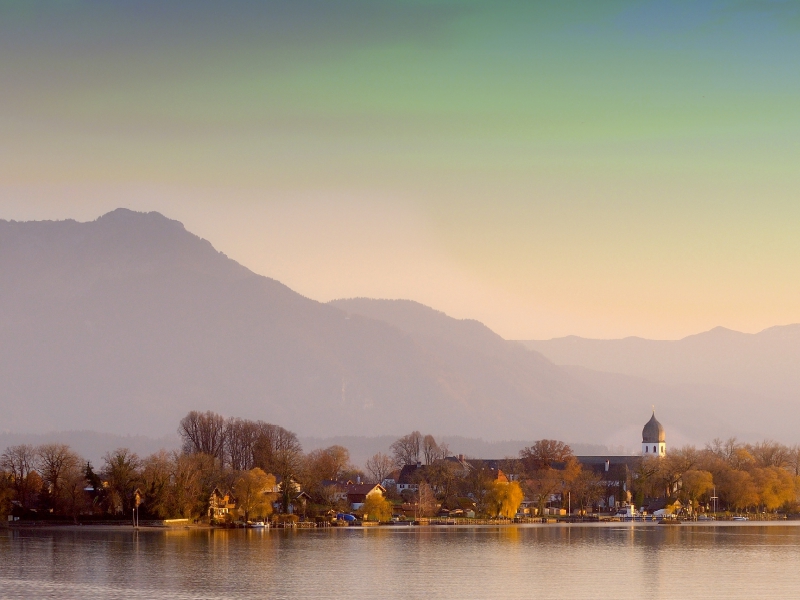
x,y
724,476
235,455
764,476
264,465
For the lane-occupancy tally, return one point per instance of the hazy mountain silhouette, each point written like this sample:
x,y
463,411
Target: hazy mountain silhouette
x,y
764,363
751,381
124,324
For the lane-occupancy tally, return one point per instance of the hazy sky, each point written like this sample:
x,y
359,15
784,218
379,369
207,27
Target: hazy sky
x,y
549,168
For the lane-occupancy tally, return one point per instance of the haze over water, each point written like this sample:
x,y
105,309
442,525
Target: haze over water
x,y
613,561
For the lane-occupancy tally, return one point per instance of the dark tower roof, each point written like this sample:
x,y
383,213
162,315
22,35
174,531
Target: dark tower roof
x,y
653,432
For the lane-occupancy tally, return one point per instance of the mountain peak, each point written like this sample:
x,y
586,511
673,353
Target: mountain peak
x,y
125,219
126,215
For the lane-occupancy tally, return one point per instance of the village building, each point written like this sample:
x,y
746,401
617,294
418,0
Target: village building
x,y
357,493
616,472
408,479
353,493
220,504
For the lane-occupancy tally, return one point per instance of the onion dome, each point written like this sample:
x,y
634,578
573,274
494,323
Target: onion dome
x,y
653,432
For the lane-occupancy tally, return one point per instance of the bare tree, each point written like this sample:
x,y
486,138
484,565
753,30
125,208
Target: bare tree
x,y
726,450
770,454
6,494
156,482
55,461
543,453
477,484
443,476
431,451
278,451
287,458
330,496
586,488
121,471
406,449
72,495
794,460
324,464
426,500
264,446
240,438
543,484
20,462
379,467
327,464
193,477
203,432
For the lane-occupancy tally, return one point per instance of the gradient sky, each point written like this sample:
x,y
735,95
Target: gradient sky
x,y
593,168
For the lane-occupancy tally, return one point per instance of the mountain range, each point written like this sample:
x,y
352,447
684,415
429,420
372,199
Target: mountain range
x,y
124,324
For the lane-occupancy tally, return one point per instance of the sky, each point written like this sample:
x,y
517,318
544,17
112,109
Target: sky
x,y
601,169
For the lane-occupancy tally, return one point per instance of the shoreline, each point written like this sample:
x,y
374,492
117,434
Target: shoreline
x,y
604,524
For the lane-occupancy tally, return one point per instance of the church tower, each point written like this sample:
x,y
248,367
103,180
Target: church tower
x,y
654,442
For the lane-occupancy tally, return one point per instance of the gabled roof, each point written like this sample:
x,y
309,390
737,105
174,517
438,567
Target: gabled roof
x,y
653,504
618,466
364,488
483,463
336,483
492,466
219,493
220,497
460,461
407,474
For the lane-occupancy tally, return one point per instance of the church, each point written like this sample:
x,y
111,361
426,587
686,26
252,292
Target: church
x,y
653,438
616,471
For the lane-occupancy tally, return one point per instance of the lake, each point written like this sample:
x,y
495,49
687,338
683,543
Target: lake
x,y
616,561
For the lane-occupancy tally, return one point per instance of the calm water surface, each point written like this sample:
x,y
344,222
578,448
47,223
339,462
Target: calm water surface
x,y
610,561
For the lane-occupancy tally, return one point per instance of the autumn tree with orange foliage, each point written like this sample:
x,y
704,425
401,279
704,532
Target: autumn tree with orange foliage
x,y
504,499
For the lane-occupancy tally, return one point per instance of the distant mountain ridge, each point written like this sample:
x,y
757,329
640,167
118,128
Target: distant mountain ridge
x,y
763,363
125,323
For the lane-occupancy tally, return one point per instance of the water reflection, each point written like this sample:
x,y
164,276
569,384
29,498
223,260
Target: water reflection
x,y
482,562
